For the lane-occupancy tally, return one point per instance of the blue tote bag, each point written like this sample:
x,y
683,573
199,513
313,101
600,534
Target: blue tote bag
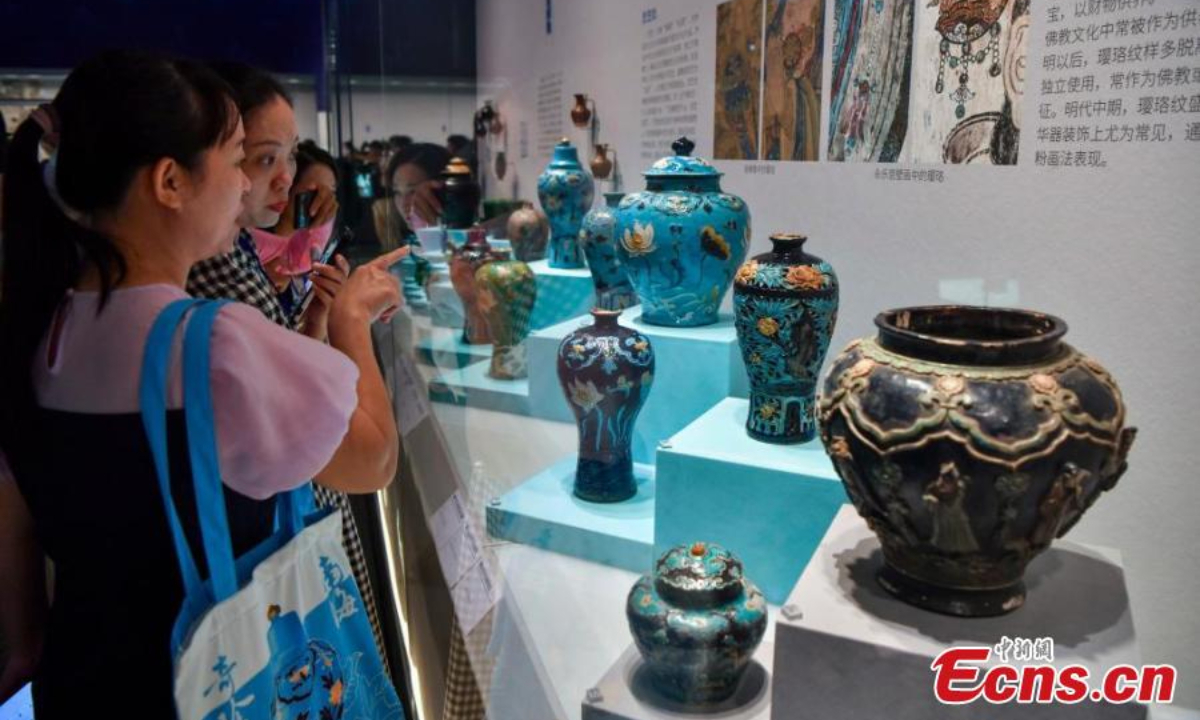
x,y
279,633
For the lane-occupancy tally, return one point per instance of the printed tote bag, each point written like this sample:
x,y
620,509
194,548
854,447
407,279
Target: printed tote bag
x,y
279,633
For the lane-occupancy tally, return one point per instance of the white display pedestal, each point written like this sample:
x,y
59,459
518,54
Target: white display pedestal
x,y
624,693
845,648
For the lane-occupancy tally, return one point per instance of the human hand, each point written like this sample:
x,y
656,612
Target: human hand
x,y
426,203
371,293
321,209
327,281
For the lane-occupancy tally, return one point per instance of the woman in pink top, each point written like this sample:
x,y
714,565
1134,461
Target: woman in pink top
x,y
97,242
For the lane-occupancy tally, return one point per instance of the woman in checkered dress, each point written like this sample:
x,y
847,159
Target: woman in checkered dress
x,y
271,143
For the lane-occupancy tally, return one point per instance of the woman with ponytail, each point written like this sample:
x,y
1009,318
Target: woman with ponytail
x,y
144,181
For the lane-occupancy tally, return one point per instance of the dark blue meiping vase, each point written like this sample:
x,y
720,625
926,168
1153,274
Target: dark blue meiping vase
x,y
785,303
565,190
605,371
696,621
682,239
598,238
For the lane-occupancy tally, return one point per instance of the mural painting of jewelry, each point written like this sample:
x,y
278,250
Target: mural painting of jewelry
x,y
970,438
968,81
738,79
565,191
792,84
605,371
785,303
599,239
507,291
870,84
682,239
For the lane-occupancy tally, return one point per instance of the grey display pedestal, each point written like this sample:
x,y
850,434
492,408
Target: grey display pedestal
x,y
624,694
845,648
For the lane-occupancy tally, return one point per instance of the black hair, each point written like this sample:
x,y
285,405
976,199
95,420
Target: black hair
x,y
427,156
168,109
252,88
399,142
309,154
457,141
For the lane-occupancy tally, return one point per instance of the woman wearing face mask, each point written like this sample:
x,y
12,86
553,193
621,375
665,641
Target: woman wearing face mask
x,y
271,142
286,251
97,243
270,164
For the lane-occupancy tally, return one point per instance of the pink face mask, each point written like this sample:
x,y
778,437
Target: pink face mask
x,y
296,251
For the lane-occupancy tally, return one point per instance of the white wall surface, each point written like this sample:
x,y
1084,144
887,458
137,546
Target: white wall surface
x,y
425,115
1112,250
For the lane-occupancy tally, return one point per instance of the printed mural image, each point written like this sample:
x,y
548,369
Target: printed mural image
x,y
870,83
792,86
738,80
968,81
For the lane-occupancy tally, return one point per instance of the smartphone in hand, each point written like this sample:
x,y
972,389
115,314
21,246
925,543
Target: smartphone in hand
x,y
303,200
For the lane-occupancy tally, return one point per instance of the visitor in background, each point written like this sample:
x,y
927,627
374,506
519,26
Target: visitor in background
x,y
96,245
414,179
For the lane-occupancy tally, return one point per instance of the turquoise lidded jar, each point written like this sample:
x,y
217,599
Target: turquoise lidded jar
x,y
565,191
682,239
696,622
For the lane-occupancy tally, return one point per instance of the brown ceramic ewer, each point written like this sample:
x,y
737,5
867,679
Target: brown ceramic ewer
x,y
581,114
528,231
602,164
465,262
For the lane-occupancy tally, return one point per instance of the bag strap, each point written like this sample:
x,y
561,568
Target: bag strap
x,y
290,506
202,447
152,394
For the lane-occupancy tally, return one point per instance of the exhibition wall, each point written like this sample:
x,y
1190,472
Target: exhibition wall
x,y
1090,215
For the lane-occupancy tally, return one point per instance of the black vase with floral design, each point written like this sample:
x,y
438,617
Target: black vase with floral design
x,y
785,306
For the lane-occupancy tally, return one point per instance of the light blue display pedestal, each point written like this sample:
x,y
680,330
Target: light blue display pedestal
x,y
471,386
445,307
444,348
695,369
769,504
561,294
543,513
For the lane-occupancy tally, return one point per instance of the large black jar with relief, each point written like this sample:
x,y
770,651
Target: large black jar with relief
x,y
969,438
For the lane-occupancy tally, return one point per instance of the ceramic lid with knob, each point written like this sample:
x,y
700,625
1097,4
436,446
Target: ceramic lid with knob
x,y
457,166
699,575
565,156
682,164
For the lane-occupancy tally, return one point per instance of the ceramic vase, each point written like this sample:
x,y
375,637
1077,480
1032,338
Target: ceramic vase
x,y
696,621
581,114
565,190
528,231
598,238
605,370
460,195
785,306
507,292
465,262
682,239
601,164
969,438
